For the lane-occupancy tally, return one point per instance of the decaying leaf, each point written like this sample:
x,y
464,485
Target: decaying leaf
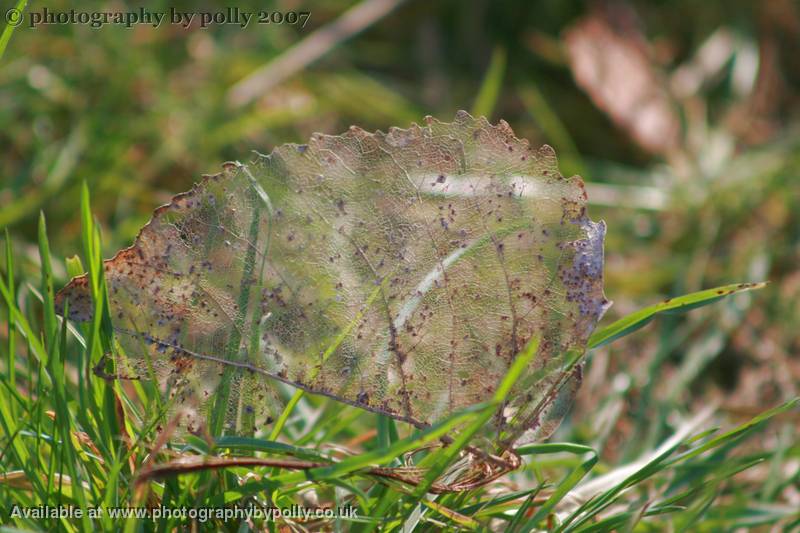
x,y
613,67
399,272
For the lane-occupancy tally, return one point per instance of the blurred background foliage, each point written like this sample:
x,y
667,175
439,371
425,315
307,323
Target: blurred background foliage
x,y
683,117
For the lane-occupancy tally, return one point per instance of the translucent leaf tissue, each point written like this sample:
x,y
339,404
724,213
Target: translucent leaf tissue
x,y
399,272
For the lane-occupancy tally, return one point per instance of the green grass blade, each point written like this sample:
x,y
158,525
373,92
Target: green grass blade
x,y
11,361
19,9
98,334
588,458
594,506
383,455
617,522
387,433
489,93
520,522
632,322
461,520
260,445
18,318
295,399
554,129
438,462
737,432
222,395
48,295
375,457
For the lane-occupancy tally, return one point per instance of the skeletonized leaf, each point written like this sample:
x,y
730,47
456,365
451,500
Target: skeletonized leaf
x,y
400,272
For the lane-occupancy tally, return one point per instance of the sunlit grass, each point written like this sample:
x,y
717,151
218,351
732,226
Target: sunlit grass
x,y
71,438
